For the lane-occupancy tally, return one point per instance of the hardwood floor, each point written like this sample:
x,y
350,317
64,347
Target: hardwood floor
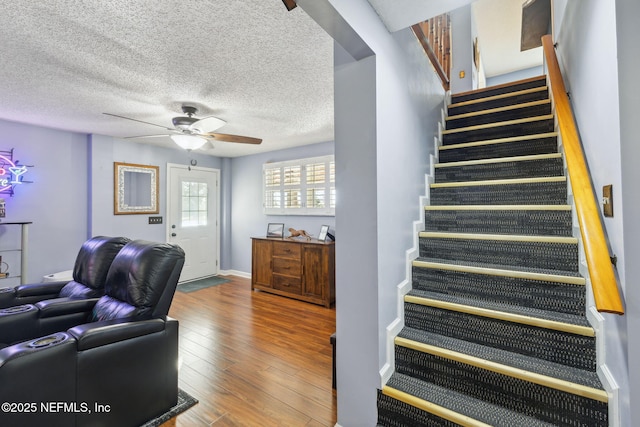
x,y
254,359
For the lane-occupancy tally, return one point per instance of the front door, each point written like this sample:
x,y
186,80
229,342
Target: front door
x,y
192,214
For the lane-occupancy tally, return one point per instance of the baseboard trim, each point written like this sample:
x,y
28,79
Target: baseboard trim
x,y
234,273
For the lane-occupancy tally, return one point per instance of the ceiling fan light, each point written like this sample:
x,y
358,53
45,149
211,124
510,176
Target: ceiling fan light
x,y
189,142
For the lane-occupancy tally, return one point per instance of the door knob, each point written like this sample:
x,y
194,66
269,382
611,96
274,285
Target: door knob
x,y
173,234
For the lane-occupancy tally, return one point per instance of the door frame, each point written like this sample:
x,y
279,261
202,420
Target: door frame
x,y
217,199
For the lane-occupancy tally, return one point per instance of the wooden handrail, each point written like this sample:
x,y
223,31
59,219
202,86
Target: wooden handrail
x,y
603,280
433,57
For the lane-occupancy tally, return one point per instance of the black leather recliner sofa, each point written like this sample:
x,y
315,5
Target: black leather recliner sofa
x,y
117,368
89,274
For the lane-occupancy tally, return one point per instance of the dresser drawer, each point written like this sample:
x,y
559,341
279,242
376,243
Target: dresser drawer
x,y
288,284
290,267
287,250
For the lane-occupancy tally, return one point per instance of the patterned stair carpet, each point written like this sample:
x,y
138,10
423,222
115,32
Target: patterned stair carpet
x,y
495,329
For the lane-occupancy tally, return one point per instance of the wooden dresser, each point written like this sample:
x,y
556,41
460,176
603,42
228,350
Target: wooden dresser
x,y
299,269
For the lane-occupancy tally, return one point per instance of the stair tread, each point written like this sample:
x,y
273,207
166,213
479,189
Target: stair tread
x,y
527,363
503,181
507,95
501,267
498,109
503,123
535,313
493,141
522,158
462,404
506,237
501,89
498,207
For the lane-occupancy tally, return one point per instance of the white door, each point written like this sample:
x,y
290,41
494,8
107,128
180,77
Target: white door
x,y
192,218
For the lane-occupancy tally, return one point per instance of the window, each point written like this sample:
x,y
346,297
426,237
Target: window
x,y
300,187
194,204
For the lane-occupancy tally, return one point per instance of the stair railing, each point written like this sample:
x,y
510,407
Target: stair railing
x,y
603,281
435,37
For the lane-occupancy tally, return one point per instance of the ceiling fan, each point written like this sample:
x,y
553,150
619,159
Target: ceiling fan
x,y
191,133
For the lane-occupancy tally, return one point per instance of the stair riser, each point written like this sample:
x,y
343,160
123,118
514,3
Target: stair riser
x,y
547,404
497,103
498,91
533,223
502,170
508,149
551,256
501,116
497,132
558,297
555,346
547,193
394,413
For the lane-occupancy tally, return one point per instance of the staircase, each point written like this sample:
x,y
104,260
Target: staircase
x,y
495,329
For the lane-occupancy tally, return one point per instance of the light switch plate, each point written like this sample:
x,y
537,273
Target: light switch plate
x,y
607,200
155,220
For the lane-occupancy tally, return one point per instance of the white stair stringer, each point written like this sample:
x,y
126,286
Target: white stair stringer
x,y
394,328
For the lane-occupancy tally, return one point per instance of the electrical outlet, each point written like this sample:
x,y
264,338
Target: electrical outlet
x,y
155,220
607,200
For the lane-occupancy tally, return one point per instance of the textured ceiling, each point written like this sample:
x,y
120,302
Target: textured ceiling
x,y
265,71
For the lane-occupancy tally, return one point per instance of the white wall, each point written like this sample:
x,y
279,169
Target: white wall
x,y
587,51
247,216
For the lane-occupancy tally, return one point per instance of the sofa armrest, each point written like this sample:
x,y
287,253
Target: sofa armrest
x,y
29,294
7,297
63,306
39,371
37,289
96,334
18,323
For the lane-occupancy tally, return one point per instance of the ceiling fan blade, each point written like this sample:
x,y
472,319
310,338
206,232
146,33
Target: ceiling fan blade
x,y
136,120
289,4
232,138
208,124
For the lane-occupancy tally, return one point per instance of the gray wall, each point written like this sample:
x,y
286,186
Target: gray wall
x,y
105,150
56,202
386,109
247,217
461,49
71,197
628,54
587,52
515,75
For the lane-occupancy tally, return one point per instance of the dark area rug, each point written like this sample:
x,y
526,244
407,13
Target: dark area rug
x,y
196,285
185,401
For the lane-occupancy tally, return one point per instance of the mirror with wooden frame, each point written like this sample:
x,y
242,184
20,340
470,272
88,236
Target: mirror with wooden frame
x,y
135,189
